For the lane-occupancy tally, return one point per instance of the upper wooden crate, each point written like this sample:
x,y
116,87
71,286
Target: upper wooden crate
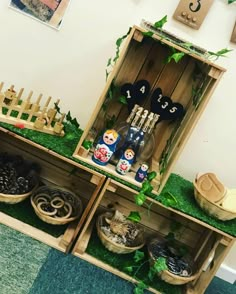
x,y
191,81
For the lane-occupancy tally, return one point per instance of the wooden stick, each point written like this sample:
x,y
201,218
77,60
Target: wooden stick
x,y
34,107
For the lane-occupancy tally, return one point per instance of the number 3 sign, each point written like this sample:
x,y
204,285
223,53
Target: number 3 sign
x,y
192,12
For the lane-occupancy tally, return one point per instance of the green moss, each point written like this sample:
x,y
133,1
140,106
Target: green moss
x,y
24,212
121,261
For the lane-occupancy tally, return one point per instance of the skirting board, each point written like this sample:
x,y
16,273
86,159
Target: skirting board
x,y
226,273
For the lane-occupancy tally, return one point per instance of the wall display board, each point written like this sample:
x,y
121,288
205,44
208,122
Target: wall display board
x,y
50,12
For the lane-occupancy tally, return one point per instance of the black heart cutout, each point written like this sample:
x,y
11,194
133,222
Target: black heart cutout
x,y
165,107
175,111
135,93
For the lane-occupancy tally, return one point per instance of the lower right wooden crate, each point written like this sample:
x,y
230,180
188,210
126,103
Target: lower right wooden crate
x,y
207,244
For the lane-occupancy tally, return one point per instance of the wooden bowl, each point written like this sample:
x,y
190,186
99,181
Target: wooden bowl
x,y
56,206
166,275
211,208
113,246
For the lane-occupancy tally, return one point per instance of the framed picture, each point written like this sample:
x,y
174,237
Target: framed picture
x,y
50,12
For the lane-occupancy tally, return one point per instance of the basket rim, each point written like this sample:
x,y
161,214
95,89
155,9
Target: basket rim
x,y
58,220
213,203
12,196
109,240
172,275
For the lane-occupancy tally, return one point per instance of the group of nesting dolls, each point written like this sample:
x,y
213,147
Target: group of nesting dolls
x,y
105,148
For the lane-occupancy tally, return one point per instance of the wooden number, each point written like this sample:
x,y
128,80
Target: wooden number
x,y
140,109
145,113
197,6
128,94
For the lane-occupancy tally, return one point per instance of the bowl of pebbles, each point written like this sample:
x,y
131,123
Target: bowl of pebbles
x,y
18,178
180,270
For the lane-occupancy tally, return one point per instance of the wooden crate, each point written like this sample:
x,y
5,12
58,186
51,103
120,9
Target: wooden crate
x,y
191,82
207,245
56,171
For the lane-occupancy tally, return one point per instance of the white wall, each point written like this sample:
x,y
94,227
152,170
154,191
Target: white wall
x,y
70,64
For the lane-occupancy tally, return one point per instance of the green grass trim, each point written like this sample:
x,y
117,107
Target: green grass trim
x,y
120,261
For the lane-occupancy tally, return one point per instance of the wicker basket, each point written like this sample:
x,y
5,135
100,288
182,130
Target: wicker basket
x,y
72,205
111,245
166,275
212,208
13,199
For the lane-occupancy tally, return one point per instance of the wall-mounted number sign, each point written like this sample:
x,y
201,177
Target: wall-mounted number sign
x,y
233,36
192,12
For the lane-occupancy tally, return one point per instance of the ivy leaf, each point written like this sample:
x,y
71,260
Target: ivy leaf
x,y
168,199
123,100
75,122
148,34
128,269
140,287
231,1
159,24
107,74
176,57
220,53
109,61
140,198
68,116
139,255
87,144
151,175
134,216
160,265
110,121
146,187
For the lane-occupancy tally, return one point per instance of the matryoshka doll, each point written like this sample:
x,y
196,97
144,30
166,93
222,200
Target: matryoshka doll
x,y
142,172
125,162
106,147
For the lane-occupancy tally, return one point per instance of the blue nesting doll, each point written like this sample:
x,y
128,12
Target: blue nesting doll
x,y
105,147
125,162
141,173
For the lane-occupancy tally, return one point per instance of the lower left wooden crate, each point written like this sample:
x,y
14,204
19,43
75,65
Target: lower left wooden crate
x,y
58,172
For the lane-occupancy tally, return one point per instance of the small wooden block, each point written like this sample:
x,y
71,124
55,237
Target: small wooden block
x,y
95,180
138,36
192,12
112,187
233,36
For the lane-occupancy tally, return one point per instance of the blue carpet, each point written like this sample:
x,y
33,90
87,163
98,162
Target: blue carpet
x,y
30,267
71,275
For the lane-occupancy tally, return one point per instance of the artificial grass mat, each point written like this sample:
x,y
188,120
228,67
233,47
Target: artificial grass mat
x,y
122,261
24,212
180,188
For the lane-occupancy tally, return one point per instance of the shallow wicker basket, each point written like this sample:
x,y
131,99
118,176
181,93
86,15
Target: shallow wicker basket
x,y
211,208
74,201
111,245
166,275
13,199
